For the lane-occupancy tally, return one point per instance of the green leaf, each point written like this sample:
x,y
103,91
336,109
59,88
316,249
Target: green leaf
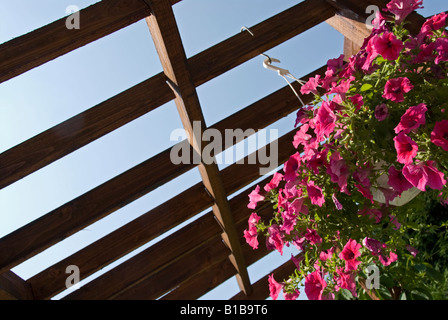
x,y
366,87
346,294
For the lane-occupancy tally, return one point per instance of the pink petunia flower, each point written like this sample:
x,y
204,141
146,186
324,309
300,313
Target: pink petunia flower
x,y
301,137
313,237
297,260
388,46
412,119
274,182
315,194
251,238
275,239
346,280
402,8
395,89
290,167
381,112
314,285
441,46
385,260
434,23
325,120
406,148
254,198
439,136
436,178
338,171
274,287
311,86
378,249
302,116
291,296
365,191
336,64
350,253
422,175
416,175
251,233
373,245
397,181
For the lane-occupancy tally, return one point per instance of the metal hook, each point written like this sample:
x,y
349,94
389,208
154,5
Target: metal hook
x,y
247,29
267,64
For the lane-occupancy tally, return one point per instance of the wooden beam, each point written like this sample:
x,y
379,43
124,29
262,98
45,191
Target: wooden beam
x,y
76,132
12,287
350,49
166,37
55,39
348,7
350,27
220,271
92,124
267,34
110,195
167,252
261,287
136,233
95,204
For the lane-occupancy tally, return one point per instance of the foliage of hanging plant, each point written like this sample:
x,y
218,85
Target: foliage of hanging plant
x,y
372,157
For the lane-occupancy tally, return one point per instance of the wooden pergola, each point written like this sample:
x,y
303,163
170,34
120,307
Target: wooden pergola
x,y
211,249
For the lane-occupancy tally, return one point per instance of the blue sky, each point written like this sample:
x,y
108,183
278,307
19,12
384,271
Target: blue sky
x,y
64,87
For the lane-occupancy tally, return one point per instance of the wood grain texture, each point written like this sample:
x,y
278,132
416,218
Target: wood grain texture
x,y
164,31
12,287
275,106
55,39
76,132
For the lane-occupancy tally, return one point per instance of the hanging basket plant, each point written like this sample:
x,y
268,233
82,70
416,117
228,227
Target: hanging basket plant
x,y
372,150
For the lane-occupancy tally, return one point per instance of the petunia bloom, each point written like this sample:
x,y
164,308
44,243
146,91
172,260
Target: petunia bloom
x,y
350,253
397,180
274,182
412,119
311,86
325,120
434,23
395,89
275,239
314,285
439,136
290,167
313,237
301,137
388,46
291,296
274,287
254,198
381,112
406,148
251,233
338,171
402,8
345,280
315,194
422,175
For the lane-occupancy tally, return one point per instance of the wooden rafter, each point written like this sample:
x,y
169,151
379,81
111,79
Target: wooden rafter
x,y
163,27
201,255
50,281
109,115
